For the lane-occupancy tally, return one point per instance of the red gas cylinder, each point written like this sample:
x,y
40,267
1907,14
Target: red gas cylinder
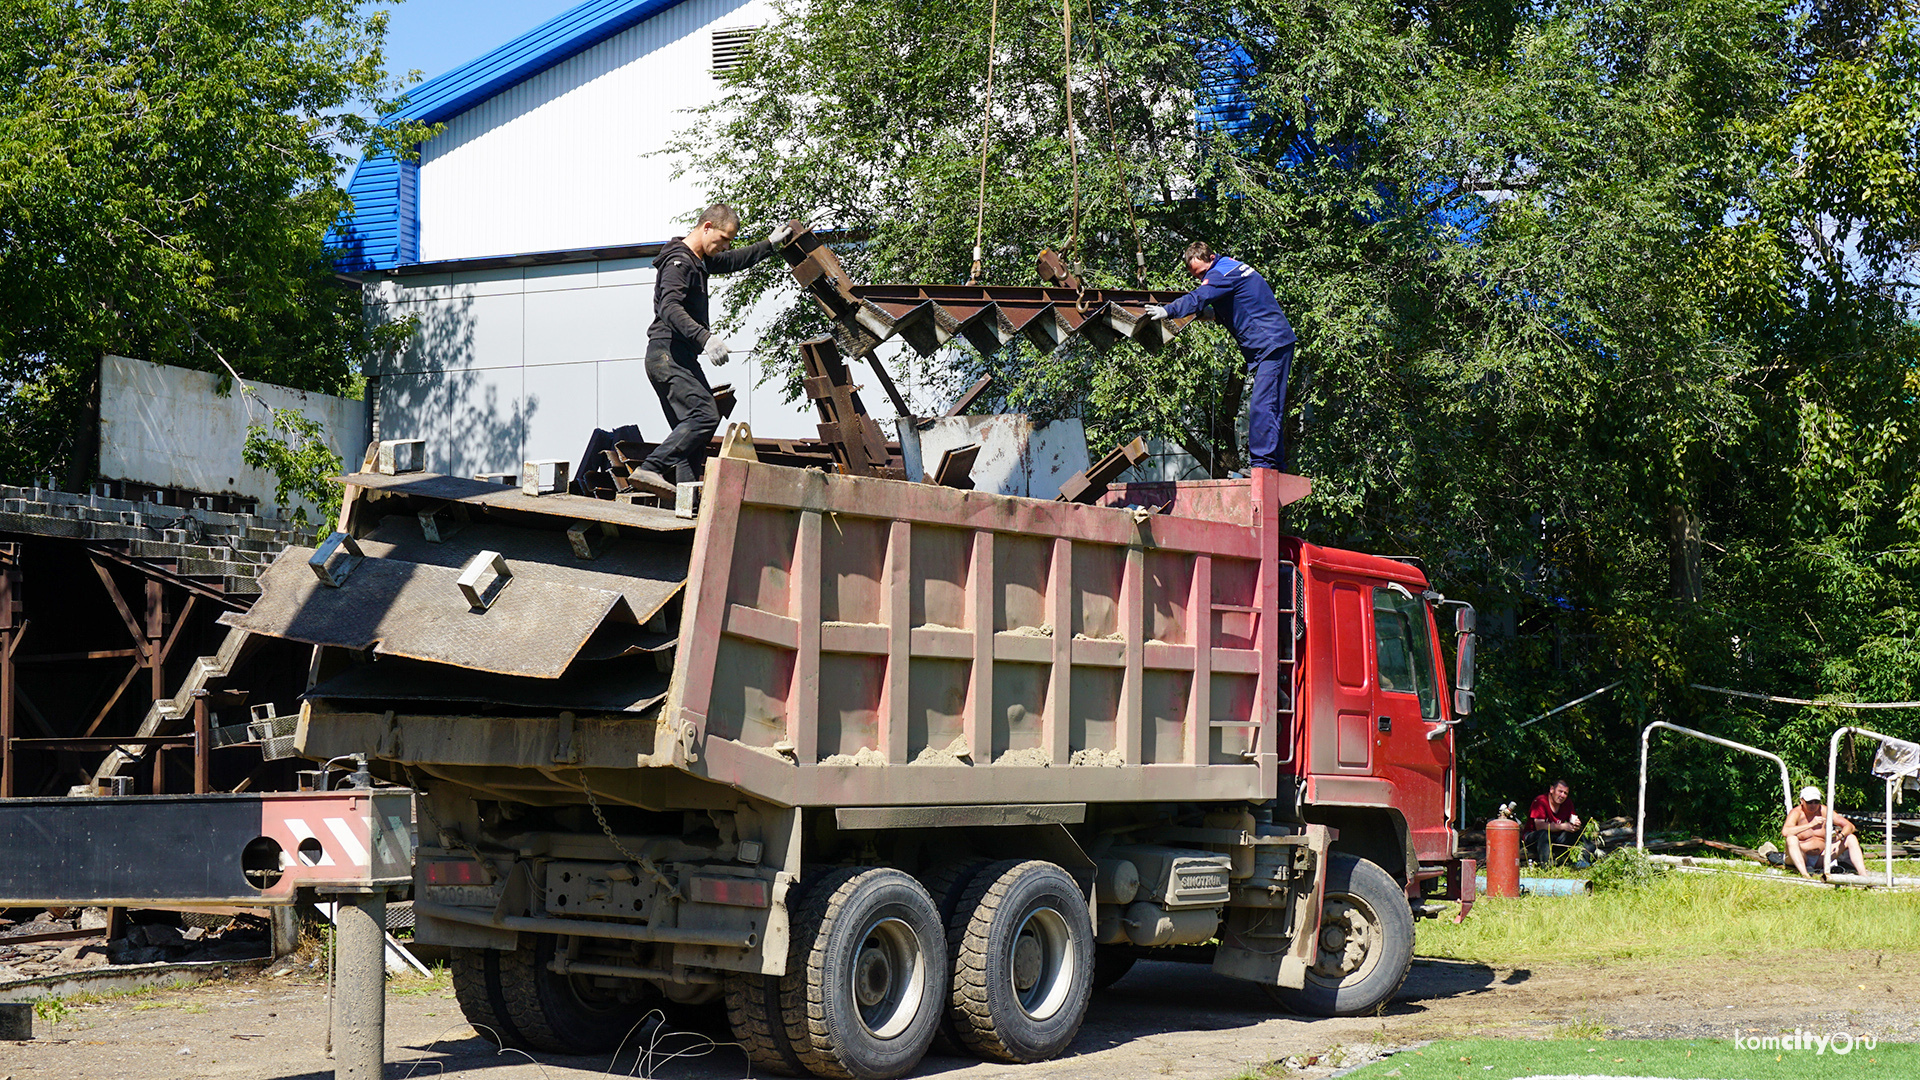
x,y
1503,857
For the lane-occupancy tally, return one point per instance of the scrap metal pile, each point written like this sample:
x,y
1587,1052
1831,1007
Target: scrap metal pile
x,y
927,317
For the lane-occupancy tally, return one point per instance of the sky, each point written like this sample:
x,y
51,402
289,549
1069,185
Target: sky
x,y
436,36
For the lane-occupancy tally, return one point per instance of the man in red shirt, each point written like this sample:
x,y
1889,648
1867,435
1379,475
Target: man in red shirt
x,y
1552,813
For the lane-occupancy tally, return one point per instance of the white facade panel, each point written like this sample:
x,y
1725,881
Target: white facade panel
x,y
569,158
505,366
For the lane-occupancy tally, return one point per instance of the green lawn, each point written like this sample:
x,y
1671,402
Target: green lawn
x,y
1677,914
1682,1059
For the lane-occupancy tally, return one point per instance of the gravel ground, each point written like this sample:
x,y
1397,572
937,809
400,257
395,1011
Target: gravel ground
x,y
1162,1020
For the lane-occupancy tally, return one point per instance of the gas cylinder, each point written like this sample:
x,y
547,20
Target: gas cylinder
x,y
1503,856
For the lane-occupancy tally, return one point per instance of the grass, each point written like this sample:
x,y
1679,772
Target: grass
x,y
55,1009
1678,914
411,985
1707,1059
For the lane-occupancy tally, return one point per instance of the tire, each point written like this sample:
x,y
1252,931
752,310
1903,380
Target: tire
x,y
948,885
864,989
1110,965
560,1014
1366,944
476,986
1024,962
753,1011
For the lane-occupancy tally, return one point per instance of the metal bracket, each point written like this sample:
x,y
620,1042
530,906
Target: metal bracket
x,y
544,477
686,499
564,750
335,576
482,599
442,520
591,539
738,442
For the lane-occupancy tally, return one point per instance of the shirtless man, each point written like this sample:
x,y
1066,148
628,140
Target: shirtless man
x,y
1805,832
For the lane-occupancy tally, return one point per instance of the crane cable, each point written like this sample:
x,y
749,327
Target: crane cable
x,y
1113,154
986,127
1073,148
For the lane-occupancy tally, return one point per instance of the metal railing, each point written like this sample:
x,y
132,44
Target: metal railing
x,y
1640,823
1833,757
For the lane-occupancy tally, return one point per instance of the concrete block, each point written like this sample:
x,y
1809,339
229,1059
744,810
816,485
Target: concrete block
x,y
16,1021
260,534
106,530
242,586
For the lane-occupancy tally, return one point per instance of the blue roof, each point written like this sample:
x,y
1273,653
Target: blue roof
x,y
384,229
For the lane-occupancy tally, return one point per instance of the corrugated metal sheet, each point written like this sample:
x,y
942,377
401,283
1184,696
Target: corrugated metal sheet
x,y
562,158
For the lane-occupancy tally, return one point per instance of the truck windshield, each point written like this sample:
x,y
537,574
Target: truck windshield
x,y
1405,653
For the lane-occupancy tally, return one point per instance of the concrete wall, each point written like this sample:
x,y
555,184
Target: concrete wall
x,y
165,426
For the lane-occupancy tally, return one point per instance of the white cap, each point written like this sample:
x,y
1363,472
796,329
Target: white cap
x,y
1809,794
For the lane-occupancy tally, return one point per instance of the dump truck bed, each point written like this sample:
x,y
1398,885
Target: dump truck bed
x,y
813,640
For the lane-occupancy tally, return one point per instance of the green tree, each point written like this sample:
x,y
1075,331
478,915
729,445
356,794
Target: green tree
x,y
1605,305
168,172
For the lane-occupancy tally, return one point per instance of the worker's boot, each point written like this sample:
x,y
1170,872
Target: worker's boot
x,y
649,481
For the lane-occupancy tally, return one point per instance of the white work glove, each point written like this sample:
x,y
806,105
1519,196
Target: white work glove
x,y
716,350
1156,312
780,235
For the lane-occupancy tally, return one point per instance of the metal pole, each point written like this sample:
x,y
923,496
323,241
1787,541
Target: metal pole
x,y
6,712
1889,822
202,744
1833,762
360,999
1639,829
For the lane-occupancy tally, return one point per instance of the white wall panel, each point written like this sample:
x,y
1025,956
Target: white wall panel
x,y
588,324
486,419
415,407
567,159
561,410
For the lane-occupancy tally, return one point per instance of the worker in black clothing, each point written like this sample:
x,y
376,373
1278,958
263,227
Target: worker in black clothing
x,y
679,340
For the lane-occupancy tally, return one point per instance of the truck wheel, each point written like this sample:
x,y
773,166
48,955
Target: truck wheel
x,y
476,986
1366,944
947,885
1110,965
1024,964
753,1011
561,1014
864,986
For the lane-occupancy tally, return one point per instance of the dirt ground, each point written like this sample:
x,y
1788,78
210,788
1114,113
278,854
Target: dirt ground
x,y
1162,1020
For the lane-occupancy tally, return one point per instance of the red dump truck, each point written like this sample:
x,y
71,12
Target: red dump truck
x,y
882,763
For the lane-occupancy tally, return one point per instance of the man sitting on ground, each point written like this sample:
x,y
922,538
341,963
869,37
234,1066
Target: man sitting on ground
x,y
1552,814
1806,833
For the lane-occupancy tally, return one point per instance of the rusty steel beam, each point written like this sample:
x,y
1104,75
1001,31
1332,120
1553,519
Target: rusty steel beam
x,y
988,317
1088,486
966,400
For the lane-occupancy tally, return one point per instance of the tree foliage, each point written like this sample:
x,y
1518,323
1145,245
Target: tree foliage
x,y
168,172
1606,308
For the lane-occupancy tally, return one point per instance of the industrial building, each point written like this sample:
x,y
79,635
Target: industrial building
x,y
522,240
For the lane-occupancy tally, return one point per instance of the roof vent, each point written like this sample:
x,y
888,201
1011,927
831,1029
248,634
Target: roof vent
x,y
730,48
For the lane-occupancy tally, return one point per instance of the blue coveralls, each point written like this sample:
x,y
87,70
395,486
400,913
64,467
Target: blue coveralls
x,y
1244,304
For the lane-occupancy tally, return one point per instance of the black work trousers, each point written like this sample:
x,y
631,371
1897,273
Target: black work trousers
x,y
687,400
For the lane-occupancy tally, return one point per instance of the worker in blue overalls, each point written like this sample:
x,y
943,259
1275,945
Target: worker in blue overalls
x,y
1244,304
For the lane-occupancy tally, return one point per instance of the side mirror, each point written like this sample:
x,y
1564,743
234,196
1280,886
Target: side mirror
x,y
1464,621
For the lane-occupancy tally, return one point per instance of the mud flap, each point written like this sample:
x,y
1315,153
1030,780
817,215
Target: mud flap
x,y
1305,948
1256,945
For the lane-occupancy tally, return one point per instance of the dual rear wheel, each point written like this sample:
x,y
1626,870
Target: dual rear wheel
x,y
1001,962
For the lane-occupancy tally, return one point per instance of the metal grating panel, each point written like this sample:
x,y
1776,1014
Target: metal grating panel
x,y
730,48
